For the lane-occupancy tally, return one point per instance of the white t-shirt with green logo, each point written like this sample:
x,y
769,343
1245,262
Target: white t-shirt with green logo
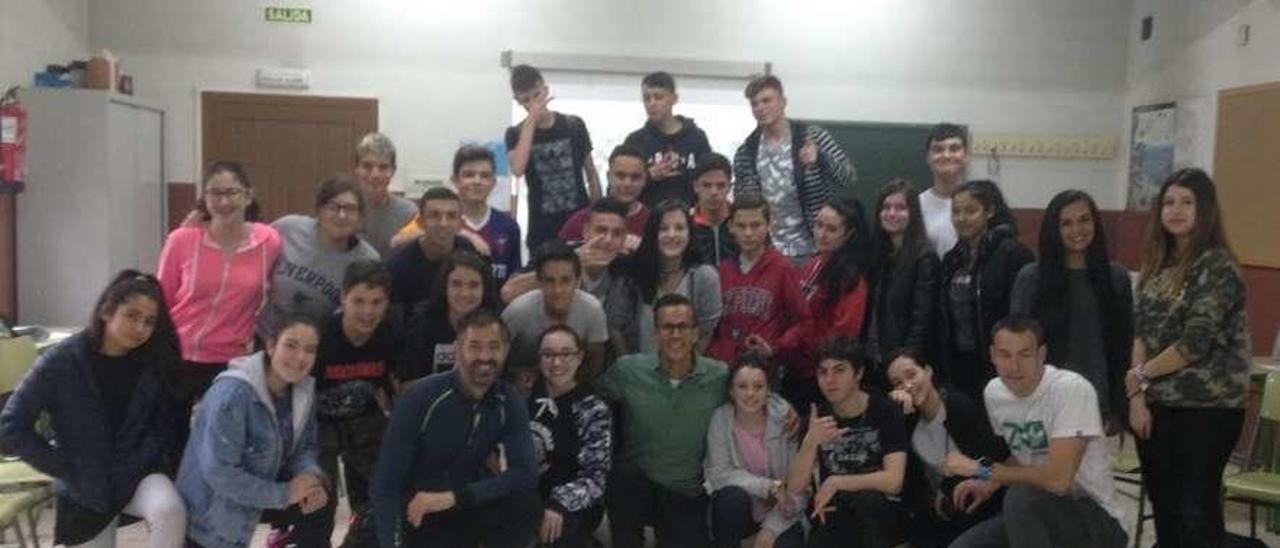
x,y
1064,405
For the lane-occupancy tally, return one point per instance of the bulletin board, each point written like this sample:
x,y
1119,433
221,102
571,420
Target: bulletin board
x,y
1246,168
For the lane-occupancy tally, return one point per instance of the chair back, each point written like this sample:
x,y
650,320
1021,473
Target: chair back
x,y
1270,407
1269,410
16,356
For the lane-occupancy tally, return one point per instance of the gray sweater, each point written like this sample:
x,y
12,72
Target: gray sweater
x,y
723,465
701,284
307,278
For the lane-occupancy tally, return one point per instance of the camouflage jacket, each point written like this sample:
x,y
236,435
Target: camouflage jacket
x,y
1205,321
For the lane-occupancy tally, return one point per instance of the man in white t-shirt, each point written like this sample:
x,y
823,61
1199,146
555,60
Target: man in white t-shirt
x,y
1061,492
947,152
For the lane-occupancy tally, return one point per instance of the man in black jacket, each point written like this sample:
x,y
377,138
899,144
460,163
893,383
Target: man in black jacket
x,y
671,144
712,181
456,466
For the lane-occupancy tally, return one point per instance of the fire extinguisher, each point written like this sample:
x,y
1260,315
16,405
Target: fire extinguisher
x,y
13,141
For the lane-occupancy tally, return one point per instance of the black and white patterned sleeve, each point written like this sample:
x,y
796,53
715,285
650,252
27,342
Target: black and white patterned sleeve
x,y
835,164
595,456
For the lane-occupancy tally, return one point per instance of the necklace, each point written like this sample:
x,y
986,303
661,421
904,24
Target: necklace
x,y
671,281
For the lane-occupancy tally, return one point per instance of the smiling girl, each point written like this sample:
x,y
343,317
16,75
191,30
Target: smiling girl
x,y
667,262
977,277
1189,380
1083,300
215,276
315,253
905,292
573,440
465,284
105,390
748,457
253,447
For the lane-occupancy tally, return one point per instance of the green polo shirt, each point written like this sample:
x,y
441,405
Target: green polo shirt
x,y
665,425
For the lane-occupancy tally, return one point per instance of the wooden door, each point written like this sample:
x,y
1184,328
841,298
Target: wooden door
x,y
289,144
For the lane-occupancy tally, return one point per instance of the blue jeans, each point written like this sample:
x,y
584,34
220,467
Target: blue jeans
x,y
731,521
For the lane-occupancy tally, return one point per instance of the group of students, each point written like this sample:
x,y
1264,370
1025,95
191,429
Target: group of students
x,y
780,365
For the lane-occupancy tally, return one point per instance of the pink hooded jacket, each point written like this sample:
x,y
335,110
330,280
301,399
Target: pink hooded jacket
x,y
214,298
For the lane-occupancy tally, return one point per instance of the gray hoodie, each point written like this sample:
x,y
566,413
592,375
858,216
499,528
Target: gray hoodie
x,y
232,461
723,465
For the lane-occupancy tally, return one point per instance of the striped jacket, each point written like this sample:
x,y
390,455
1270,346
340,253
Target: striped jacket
x,y
815,184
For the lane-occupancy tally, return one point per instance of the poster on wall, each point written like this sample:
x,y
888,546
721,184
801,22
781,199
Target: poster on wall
x,y
1151,152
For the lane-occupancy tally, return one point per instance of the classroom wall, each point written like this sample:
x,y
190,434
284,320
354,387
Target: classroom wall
x,y
1034,66
34,33
1192,55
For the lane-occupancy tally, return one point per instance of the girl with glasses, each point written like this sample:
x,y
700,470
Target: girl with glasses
x,y
316,250
572,438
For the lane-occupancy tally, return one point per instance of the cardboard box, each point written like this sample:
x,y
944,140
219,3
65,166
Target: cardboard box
x,y
100,74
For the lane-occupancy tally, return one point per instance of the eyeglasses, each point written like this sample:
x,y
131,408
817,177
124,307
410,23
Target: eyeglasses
x,y
673,328
552,356
224,193
335,208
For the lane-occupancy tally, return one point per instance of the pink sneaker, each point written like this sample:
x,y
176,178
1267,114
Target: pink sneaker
x,y
280,538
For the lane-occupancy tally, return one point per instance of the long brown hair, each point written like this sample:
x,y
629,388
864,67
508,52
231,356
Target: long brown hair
x,y
162,351
914,239
1160,250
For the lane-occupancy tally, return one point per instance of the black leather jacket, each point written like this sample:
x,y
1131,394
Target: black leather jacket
x,y
904,304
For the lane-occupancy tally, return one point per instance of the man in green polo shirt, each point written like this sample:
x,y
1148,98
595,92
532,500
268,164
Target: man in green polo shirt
x,y
665,401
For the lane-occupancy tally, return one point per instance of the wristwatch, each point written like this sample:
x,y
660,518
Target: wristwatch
x,y
984,468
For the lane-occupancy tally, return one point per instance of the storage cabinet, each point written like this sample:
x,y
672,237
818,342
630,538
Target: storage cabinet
x,y
94,202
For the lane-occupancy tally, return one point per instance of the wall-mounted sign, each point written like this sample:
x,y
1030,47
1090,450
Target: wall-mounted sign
x,y
287,15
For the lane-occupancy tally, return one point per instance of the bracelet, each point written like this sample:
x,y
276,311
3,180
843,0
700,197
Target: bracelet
x,y
1140,371
984,472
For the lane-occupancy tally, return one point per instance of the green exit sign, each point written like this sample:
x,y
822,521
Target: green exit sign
x,y
288,15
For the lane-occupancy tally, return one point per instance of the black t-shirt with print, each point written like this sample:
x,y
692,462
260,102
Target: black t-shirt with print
x,y
428,343
877,432
349,376
554,173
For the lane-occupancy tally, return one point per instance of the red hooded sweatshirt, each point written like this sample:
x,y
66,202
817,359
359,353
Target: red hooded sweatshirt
x,y
764,301
832,317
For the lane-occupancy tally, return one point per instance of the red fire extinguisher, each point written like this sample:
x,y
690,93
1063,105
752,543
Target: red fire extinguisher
x,y
13,141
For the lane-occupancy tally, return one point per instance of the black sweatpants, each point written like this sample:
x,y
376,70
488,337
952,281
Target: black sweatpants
x,y
1182,465
510,522
356,441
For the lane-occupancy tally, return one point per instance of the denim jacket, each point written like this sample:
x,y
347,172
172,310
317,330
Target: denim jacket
x,y
234,459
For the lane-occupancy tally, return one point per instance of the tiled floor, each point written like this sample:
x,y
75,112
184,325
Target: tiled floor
x,y
1237,521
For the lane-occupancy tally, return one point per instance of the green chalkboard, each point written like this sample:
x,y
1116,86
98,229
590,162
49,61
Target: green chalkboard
x,y
881,152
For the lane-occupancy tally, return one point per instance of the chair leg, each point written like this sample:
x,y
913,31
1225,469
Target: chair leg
x,y
1253,520
1142,507
32,522
17,532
